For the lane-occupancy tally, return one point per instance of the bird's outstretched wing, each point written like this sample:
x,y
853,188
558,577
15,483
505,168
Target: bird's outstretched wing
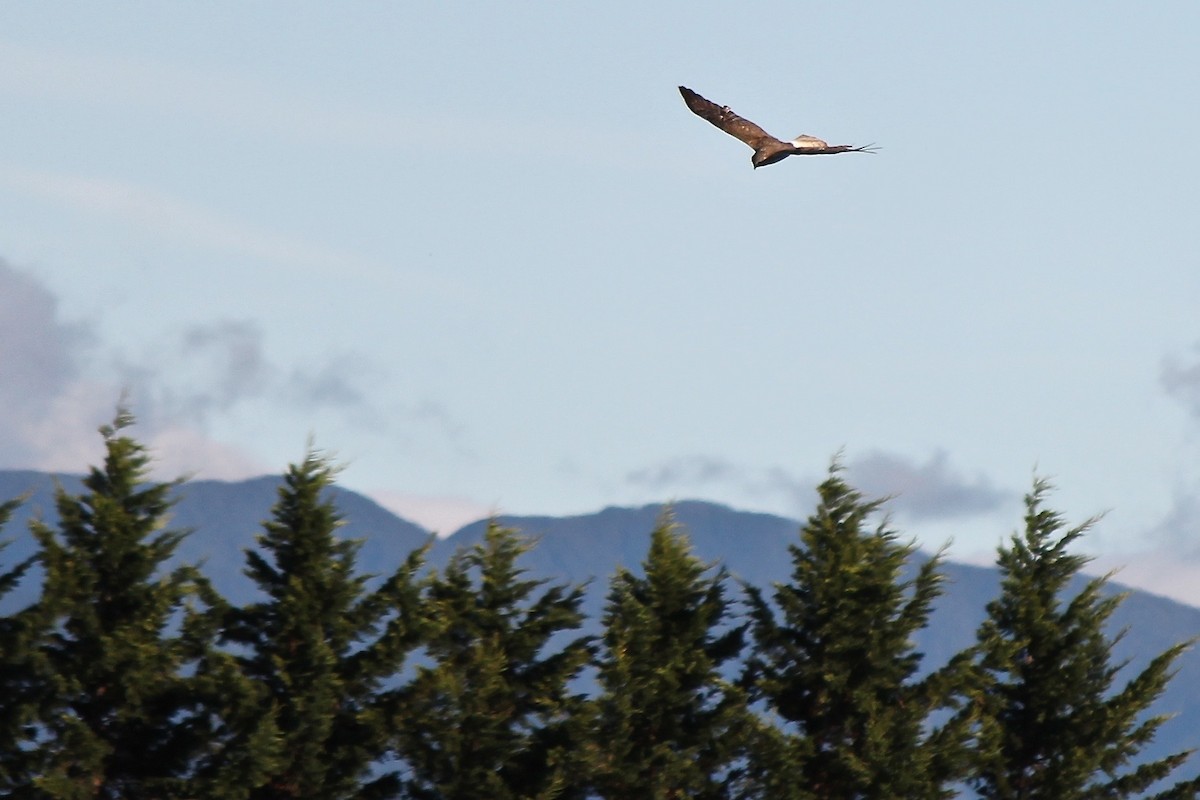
x,y
726,120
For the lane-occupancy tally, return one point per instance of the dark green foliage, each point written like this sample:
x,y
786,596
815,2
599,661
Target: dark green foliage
x,y
237,741
836,665
112,685
667,725
118,720
492,715
1052,723
323,646
19,687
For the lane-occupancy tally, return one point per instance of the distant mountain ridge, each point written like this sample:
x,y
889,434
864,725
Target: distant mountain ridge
x,y
225,517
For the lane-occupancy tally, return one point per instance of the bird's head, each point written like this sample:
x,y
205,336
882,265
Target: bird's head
x,y
767,157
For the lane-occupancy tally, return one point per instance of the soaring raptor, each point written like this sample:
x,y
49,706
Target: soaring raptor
x,y
767,149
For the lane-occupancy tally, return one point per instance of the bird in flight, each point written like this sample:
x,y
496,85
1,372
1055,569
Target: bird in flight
x,y
767,149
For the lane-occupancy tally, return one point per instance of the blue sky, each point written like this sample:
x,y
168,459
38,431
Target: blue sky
x,y
486,256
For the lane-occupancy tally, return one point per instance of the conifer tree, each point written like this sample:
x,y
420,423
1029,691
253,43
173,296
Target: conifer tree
x,y
237,739
120,718
324,645
1053,722
837,668
492,715
668,726
18,684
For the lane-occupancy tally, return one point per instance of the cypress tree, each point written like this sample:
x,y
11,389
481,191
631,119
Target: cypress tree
x,y
237,741
492,714
1053,722
837,669
324,645
119,718
668,724
18,677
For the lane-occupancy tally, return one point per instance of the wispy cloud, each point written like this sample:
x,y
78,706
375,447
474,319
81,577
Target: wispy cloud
x,y
38,349
212,368
53,404
690,471
240,103
1179,528
714,477
1181,378
235,363
40,378
217,99
58,384
1168,555
175,218
928,490
1178,531
1168,558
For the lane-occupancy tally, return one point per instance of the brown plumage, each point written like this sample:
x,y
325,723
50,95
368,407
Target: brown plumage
x,y
767,149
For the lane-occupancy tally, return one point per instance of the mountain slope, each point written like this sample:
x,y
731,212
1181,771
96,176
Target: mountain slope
x,y
225,517
754,547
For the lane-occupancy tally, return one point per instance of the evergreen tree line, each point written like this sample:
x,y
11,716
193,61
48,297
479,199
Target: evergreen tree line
x,y
128,680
